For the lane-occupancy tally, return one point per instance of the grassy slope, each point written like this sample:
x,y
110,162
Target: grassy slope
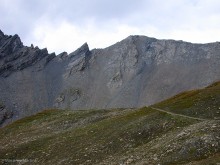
x,y
203,103
119,136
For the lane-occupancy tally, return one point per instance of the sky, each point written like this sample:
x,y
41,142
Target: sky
x,y
64,25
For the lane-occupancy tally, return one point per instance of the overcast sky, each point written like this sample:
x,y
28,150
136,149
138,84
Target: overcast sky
x,y
64,25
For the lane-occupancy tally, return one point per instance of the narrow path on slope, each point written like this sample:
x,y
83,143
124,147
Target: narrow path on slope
x,y
176,114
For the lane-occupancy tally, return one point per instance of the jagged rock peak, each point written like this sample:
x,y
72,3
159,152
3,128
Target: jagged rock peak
x,y
84,49
1,33
14,56
17,41
63,55
10,44
12,39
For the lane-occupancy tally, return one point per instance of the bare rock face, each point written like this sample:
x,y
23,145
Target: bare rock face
x,y
134,72
14,56
78,60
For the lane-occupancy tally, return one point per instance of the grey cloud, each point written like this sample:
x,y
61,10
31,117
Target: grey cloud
x,y
26,13
22,16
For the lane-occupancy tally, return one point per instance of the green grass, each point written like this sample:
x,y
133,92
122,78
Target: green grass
x,y
203,103
84,136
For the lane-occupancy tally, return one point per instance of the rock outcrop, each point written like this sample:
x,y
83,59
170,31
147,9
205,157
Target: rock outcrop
x,y
134,72
14,56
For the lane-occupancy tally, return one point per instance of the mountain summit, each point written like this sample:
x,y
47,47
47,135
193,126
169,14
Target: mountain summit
x,y
134,72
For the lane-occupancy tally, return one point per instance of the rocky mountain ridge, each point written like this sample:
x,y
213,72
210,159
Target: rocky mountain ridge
x,y
15,56
134,72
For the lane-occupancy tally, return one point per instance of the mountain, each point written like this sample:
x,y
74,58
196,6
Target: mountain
x,y
160,134
134,72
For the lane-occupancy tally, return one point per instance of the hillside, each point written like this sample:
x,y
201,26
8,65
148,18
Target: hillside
x,y
203,103
135,72
118,136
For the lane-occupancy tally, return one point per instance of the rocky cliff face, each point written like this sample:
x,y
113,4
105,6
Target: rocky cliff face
x,y
135,72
